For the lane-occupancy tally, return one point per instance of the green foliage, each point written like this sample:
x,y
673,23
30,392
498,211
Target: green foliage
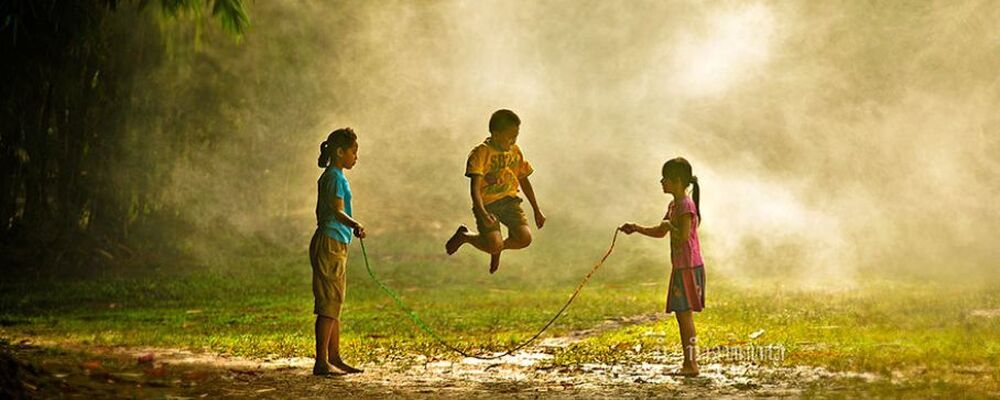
x,y
232,14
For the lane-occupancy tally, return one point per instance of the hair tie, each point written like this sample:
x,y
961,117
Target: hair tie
x,y
694,179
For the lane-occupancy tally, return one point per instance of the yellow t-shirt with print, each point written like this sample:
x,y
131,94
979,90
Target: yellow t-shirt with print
x,y
500,170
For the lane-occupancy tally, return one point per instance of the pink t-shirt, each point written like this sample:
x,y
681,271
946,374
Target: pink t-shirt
x,y
685,254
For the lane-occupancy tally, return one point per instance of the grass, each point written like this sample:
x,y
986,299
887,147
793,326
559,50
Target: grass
x,y
262,308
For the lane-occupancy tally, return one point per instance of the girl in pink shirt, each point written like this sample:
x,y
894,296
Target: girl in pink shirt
x,y
686,293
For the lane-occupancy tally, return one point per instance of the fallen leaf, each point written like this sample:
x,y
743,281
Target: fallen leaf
x,y
146,358
92,364
194,375
244,372
621,346
156,371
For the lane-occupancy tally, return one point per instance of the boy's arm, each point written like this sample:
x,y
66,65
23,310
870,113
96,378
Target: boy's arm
x,y
529,192
342,217
477,199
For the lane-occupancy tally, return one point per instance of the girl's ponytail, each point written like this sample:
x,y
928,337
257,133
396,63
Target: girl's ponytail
x,y
324,154
696,195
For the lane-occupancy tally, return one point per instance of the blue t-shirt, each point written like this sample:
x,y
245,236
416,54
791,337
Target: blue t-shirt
x,y
333,184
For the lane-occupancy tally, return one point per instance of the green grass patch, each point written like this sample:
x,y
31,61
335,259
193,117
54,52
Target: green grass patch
x,y
262,306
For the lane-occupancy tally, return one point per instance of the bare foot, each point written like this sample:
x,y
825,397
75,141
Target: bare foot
x,y
494,262
326,369
456,240
341,365
687,370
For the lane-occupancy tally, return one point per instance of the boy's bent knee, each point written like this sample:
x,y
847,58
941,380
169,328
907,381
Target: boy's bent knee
x,y
520,238
494,244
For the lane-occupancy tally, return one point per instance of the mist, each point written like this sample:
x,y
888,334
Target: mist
x,y
830,139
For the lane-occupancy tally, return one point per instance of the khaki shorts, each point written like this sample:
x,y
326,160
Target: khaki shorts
x,y
329,265
508,211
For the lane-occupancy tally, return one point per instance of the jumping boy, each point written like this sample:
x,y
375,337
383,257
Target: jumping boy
x,y
497,170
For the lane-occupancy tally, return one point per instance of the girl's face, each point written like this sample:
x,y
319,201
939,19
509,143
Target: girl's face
x,y
670,185
346,158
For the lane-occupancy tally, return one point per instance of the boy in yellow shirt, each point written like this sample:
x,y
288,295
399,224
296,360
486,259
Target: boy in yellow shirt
x,y
497,170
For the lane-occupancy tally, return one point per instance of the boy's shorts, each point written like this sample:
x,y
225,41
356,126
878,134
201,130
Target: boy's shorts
x,y
329,265
507,210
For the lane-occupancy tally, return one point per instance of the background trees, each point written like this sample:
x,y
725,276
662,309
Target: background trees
x,y
65,145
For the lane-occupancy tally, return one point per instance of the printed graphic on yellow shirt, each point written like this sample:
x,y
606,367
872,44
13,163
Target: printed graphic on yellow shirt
x,y
500,170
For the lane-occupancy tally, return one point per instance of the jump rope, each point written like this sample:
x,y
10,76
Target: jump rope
x,y
483,356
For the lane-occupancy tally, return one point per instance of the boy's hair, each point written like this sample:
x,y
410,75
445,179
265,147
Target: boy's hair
x,y
503,119
339,139
679,168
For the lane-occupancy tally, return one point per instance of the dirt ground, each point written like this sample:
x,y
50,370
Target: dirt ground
x,y
31,369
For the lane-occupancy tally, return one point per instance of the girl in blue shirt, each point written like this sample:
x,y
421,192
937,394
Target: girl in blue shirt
x,y
328,249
